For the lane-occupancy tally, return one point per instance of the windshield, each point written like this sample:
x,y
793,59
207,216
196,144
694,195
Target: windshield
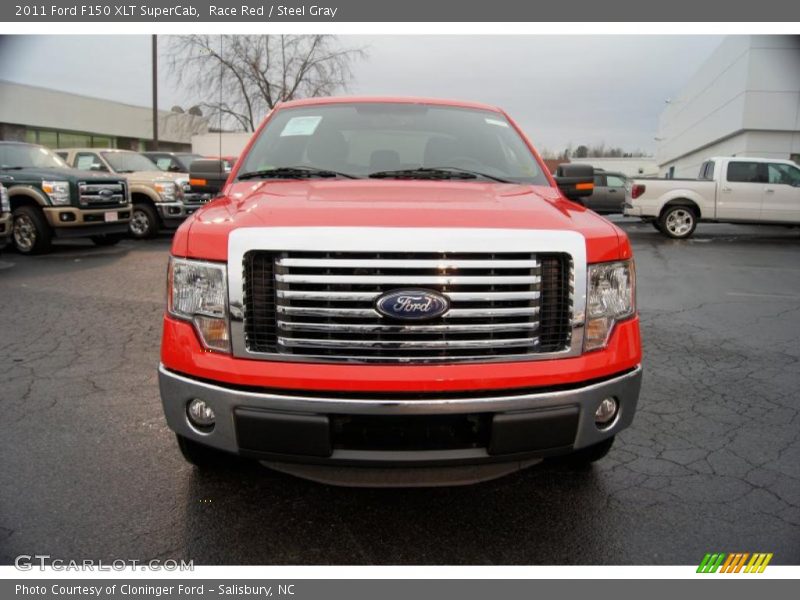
x,y
128,162
25,155
366,138
186,160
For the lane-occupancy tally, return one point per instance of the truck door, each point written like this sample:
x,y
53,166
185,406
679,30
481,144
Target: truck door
x,y
615,193
781,194
741,191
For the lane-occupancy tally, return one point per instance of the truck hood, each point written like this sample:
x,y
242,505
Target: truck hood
x,y
391,203
57,174
148,177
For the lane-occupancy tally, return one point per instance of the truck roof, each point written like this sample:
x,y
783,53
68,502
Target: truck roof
x,y
96,150
388,100
752,159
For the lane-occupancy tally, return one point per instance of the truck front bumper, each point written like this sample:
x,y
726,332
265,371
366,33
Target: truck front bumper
x,y
380,430
69,221
174,213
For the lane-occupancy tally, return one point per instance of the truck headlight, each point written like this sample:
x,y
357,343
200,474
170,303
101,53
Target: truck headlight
x,y
5,203
197,291
611,298
166,189
58,191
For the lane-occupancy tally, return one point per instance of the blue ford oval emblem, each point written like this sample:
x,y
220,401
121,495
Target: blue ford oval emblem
x,y
412,304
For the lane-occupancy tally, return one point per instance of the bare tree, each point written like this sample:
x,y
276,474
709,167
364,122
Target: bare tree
x,y
239,78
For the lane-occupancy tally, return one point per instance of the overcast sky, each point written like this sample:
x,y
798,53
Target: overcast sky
x,y
561,89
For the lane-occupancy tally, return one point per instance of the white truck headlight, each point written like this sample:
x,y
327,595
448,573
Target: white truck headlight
x,y
5,203
611,298
166,188
58,191
197,291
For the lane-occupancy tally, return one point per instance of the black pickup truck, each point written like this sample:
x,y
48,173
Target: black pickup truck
x,y
49,199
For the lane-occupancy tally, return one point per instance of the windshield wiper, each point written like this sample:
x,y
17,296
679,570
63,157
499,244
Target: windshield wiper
x,y
434,173
299,172
5,168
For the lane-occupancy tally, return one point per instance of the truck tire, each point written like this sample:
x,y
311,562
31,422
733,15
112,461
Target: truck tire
x,y
202,456
656,225
144,222
30,231
109,239
677,222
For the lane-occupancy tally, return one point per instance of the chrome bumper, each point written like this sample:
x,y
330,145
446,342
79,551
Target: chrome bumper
x,y
177,390
177,211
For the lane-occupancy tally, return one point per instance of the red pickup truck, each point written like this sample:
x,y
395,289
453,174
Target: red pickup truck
x,y
395,291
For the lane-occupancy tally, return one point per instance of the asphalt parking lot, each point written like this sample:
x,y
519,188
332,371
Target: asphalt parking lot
x,y
88,468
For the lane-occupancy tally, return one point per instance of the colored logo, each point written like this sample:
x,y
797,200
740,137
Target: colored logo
x,y
738,562
412,304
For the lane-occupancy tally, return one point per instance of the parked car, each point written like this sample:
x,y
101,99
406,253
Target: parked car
x,y
49,199
608,196
738,189
398,285
159,197
5,216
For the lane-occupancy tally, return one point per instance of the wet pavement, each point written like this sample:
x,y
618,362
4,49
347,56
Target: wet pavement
x,y
88,468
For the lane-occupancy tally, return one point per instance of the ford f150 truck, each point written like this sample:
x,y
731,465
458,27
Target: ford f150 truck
x,y
48,199
396,291
159,198
742,190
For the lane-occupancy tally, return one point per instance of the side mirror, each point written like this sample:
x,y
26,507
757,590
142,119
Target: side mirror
x,y
207,176
575,180
97,167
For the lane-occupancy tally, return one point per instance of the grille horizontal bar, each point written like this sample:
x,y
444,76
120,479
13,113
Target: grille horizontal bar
x,y
357,296
416,328
453,313
415,280
402,345
366,263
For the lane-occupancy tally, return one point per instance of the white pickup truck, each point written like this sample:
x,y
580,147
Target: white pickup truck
x,y
728,190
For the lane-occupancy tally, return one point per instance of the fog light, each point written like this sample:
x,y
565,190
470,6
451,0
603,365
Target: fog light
x,y
606,412
201,414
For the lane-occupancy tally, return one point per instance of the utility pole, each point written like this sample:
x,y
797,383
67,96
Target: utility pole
x,y
155,91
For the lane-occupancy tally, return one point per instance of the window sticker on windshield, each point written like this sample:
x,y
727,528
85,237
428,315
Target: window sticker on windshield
x,y
301,126
496,122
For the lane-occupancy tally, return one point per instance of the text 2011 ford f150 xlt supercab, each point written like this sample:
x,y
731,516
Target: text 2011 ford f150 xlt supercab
x,y
396,291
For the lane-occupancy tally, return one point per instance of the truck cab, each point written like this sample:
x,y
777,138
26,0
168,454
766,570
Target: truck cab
x,y
48,199
396,291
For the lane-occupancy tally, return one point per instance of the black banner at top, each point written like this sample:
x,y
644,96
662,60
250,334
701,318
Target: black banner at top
x,y
255,11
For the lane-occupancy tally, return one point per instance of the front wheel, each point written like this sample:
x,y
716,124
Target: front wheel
x,y
31,233
677,222
144,222
109,239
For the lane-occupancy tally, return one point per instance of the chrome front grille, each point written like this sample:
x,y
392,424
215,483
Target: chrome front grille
x,y
321,305
102,194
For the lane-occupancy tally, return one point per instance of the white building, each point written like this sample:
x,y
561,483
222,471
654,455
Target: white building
x,y
61,120
744,101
